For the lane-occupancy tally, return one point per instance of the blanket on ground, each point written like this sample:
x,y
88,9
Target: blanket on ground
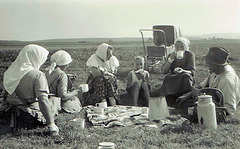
x,y
129,115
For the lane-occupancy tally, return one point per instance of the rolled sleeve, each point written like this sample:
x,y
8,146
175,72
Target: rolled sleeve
x,y
41,85
62,85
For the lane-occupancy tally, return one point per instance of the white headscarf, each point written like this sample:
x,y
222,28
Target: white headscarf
x,y
99,58
60,58
102,51
29,58
185,41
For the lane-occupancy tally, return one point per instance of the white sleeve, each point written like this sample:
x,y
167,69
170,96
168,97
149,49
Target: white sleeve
x,y
227,87
92,62
113,62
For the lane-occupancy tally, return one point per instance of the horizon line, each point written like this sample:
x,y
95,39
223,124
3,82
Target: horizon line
x,y
189,35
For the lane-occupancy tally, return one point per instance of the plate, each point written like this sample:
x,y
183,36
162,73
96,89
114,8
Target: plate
x,y
107,144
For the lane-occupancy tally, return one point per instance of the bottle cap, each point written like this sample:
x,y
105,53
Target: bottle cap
x,y
204,96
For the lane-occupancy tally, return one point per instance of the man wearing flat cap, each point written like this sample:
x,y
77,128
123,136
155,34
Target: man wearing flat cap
x,y
223,77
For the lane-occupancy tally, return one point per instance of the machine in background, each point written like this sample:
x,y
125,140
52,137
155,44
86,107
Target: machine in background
x,y
163,39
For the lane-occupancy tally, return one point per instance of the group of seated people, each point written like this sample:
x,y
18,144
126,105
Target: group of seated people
x,y
43,95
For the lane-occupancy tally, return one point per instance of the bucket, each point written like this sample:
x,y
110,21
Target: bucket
x,y
206,112
158,108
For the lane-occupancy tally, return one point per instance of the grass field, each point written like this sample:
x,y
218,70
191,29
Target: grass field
x,y
136,137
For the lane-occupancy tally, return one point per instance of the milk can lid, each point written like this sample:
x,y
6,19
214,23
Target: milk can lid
x,y
205,96
107,144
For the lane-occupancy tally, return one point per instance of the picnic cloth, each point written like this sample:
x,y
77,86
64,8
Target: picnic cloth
x,y
129,115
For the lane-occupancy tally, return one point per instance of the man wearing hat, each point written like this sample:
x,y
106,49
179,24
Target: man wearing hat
x,y
223,77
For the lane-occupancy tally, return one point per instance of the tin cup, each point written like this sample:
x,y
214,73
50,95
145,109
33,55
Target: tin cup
x,y
102,104
84,87
180,54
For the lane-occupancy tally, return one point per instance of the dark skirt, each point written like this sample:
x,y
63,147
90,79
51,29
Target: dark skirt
x,y
27,115
101,87
17,118
176,83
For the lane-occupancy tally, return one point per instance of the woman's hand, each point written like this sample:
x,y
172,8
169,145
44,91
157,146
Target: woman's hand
x,y
53,129
195,91
113,70
178,70
102,69
108,73
80,89
76,91
172,56
69,95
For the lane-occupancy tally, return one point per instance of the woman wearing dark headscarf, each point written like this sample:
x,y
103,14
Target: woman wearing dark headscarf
x,y
102,81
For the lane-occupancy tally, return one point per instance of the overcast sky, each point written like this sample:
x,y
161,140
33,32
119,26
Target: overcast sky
x,y
51,19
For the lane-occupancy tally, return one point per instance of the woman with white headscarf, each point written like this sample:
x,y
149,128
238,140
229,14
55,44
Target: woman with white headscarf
x,y
180,69
24,79
102,81
58,82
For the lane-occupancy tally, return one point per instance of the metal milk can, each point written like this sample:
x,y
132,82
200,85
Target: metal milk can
x,y
206,112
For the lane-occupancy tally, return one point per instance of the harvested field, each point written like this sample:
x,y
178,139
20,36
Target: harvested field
x,y
137,137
